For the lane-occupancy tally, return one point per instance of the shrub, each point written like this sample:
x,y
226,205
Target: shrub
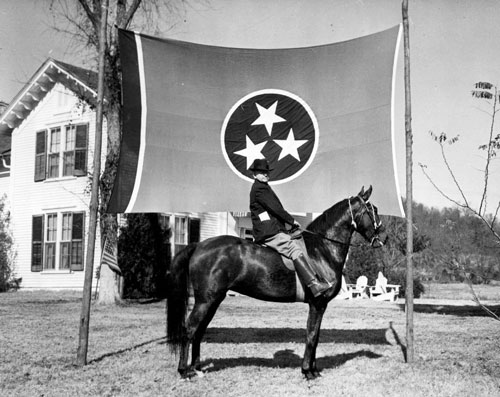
x,y
143,256
399,277
6,253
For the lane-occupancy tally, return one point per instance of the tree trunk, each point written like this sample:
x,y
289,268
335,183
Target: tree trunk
x,y
109,291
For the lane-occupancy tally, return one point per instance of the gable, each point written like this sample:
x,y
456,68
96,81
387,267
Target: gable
x,y
80,81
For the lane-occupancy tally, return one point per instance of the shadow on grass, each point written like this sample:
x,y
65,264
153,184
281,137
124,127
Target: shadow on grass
x,y
161,340
283,335
455,310
284,359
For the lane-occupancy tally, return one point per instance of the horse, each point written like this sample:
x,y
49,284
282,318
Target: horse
x,y
222,263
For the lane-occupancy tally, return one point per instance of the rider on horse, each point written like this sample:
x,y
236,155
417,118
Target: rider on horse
x,y
269,219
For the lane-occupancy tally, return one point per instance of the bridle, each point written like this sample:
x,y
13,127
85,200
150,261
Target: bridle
x,y
370,210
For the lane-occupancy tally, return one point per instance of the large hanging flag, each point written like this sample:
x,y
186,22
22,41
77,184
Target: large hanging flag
x,y
197,116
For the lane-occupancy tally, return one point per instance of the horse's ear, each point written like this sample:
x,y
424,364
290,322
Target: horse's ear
x,y
361,192
366,195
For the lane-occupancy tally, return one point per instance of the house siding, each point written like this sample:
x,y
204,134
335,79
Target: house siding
x,y
28,198
217,224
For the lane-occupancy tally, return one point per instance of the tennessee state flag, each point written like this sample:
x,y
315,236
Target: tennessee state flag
x,y
197,116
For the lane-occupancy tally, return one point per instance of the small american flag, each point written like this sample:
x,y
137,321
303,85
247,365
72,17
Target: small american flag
x,y
110,256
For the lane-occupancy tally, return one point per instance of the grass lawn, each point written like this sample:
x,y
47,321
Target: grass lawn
x,y
252,348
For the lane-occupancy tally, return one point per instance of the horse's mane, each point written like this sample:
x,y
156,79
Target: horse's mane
x,y
327,218
315,244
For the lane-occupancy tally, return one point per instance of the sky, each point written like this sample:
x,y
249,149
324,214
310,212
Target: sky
x,y
453,44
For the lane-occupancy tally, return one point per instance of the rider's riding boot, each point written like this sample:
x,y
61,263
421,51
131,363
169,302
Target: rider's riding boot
x,y
309,278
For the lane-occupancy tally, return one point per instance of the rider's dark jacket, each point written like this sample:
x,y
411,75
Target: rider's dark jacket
x,y
268,215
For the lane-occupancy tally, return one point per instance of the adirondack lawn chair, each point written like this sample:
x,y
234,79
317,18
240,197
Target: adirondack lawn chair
x,y
358,290
345,291
383,291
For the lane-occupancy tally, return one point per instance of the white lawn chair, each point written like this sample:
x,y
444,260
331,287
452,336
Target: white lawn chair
x,y
345,292
383,291
359,290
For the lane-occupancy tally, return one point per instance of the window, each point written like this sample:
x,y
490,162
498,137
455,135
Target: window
x,y
246,234
37,244
164,221
194,230
49,262
61,152
180,233
75,154
40,155
186,230
57,241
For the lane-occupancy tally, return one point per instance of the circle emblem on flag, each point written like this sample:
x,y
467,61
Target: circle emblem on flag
x,y
272,124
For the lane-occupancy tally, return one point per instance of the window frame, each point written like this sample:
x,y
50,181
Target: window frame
x,y
59,246
57,156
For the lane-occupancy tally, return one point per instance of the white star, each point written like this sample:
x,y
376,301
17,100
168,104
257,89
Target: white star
x,y
268,117
251,152
290,146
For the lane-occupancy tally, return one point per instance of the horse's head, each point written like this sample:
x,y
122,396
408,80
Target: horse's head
x,y
365,219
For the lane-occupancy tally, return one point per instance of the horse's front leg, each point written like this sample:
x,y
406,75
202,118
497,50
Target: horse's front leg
x,y
314,319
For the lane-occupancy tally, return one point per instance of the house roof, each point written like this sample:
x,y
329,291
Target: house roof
x,y
81,81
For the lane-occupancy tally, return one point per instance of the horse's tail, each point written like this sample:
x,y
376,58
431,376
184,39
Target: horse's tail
x,y
177,297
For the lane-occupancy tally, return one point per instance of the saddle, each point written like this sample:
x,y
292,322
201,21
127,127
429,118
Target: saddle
x,y
296,234
288,263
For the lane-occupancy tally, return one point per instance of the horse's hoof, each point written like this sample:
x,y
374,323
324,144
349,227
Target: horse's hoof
x,y
309,375
188,374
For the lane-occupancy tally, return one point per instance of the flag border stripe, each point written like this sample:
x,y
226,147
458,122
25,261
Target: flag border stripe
x,y
144,112
393,129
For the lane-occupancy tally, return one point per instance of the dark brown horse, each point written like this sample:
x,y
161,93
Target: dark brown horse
x,y
223,263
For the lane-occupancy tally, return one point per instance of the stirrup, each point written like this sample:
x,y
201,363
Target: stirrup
x,y
319,288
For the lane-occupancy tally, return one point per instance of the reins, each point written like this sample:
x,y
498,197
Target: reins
x,y
372,216
327,238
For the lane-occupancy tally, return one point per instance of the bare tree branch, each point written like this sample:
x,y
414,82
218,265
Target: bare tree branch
x,y
92,15
423,167
489,156
477,301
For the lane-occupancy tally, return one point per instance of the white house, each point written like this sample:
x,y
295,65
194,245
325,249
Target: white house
x,y
52,128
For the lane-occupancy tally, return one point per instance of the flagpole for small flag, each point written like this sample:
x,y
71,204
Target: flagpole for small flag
x,y
409,192
94,200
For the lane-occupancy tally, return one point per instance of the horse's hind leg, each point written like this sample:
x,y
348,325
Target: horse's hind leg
x,y
197,323
210,310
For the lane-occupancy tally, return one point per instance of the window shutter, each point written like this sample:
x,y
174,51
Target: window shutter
x,y
77,241
41,156
194,230
81,142
37,244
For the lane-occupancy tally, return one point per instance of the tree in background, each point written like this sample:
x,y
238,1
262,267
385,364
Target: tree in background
x,y
391,259
6,249
489,93
80,20
487,215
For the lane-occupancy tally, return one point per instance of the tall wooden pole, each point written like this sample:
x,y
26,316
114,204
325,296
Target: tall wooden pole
x,y
409,192
83,341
